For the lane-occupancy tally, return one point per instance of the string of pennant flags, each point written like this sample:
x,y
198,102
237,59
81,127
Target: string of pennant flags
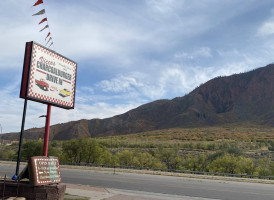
x,y
48,39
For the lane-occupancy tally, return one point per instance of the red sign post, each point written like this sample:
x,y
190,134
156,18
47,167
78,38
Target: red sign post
x,y
46,136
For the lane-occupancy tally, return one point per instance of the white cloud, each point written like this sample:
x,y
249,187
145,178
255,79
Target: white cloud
x,y
84,111
178,78
266,29
202,52
230,52
12,109
162,6
174,79
119,84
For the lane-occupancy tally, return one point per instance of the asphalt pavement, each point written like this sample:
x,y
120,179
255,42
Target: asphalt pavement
x,y
170,185
105,184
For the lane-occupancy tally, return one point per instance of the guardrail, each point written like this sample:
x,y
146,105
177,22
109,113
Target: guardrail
x,y
172,170
162,170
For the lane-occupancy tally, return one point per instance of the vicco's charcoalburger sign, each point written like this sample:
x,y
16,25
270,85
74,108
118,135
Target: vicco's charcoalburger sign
x,y
48,77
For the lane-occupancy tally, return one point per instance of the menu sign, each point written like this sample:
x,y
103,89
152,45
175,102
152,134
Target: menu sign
x,y
44,170
48,77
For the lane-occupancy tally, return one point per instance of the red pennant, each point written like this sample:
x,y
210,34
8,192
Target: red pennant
x,y
38,2
43,20
47,36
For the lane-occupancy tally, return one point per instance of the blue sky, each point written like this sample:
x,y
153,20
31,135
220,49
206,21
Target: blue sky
x,y
132,52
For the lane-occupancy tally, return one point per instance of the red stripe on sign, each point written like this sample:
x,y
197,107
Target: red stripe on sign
x,y
67,81
41,71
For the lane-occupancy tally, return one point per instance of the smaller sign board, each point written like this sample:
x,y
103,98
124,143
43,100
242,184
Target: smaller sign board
x,y
44,170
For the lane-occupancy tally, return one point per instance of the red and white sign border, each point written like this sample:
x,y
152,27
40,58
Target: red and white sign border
x,y
28,79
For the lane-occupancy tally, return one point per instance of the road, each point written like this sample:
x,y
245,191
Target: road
x,y
179,186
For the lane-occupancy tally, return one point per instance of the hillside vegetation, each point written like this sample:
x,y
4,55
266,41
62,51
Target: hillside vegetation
x,y
237,150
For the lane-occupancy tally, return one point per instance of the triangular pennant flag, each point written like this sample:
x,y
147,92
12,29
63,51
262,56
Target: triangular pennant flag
x,y
43,20
48,41
38,2
50,44
47,36
41,12
44,28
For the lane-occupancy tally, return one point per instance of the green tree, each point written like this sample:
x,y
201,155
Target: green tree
x,y
126,158
86,150
7,154
70,151
225,164
245,166
143,159
177,162
189,163
93,151
234,150
107,158
272,169
263,167
202,163
31,148
167,157
212,146
35,148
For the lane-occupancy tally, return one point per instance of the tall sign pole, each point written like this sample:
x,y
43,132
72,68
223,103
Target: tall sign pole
x,y
24,86
46,136
15,176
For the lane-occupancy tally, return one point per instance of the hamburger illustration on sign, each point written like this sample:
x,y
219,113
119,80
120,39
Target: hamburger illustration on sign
x,y
48,77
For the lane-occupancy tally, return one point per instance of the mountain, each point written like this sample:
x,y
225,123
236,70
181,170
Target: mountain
x,y
239,98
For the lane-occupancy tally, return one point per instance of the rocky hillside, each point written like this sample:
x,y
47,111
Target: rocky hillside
x,y
239,98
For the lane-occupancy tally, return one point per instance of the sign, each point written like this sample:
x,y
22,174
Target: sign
x,y
48,77
44,170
